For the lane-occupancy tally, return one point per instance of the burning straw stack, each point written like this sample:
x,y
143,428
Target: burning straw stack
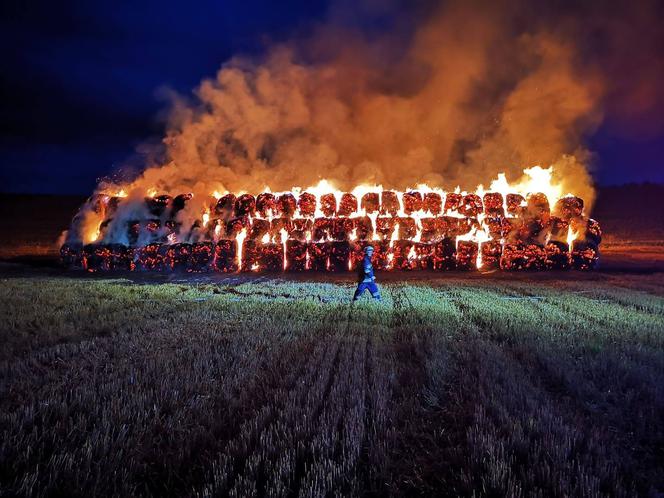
x,y
277,232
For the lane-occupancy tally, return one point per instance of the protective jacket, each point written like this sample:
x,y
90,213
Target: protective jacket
x,y
365,272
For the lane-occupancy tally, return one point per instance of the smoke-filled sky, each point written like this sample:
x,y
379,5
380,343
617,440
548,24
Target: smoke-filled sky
x,y
386,91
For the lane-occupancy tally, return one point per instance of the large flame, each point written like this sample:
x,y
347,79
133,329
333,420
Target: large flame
x,y
195,212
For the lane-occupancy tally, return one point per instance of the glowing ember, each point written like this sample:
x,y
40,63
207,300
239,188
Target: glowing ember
x,y
529,224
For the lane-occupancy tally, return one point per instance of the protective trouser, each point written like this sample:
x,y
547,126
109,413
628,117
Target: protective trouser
x,y
370,286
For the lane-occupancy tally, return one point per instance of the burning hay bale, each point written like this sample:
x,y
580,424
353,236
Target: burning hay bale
x,y
516,204
323,228
363,228
339,256
568,207
389,203
444,254
471,205
584,255
466,255
370,202
557,255
306,204
522,256
407,228
347,205
259,229
409,231
328,205
412,202
266,205
296,255
493,204
202,257
286,205
225,207
106,257
72,255
158,205
432,203
319,255
245,205
491,252
452,202
403,255
385,227
225,256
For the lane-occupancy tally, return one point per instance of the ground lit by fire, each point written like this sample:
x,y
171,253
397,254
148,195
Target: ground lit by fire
x,y
529,224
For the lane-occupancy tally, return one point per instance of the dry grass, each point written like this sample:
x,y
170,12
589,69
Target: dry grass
x,y
454,388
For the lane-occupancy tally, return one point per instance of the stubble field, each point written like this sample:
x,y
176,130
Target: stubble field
x,y
550,386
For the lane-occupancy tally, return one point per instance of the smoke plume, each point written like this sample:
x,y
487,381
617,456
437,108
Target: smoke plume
x,y
468,92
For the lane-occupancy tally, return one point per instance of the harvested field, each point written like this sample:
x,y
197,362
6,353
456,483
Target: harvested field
x,y
453,386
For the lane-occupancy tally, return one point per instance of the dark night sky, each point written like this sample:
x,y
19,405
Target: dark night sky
x,y
81,84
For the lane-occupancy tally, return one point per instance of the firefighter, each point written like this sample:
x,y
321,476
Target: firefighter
x,y
366,279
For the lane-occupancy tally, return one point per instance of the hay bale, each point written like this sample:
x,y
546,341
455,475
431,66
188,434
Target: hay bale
x,y
444,255
521,256
370,202
306,204
412,202
245,205
402,257
407,227
339,256
286,205
389,203
157,205
225,256
432,203
466,255
593,232
493,204
328,205
251,253
342,228
259,228
516,204
202,257
584,255
568,207
71,255
431,229
471,205
225,207
296,255
363,228
235,225
179,203
266,205
149,257
557,255
452,202
279,224
558,229
322,229
381,256
491,251
319,255
271,257
385,228
537,206
347,205
301,228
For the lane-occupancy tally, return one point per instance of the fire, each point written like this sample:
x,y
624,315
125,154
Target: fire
x,y
509,225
